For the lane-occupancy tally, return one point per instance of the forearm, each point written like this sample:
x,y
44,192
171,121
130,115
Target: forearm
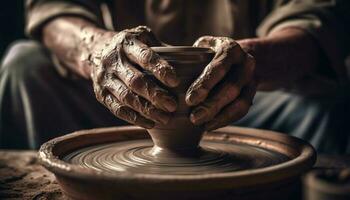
x,y
282,57
73,40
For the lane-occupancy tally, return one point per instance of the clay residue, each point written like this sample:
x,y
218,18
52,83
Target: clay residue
x,y
22,177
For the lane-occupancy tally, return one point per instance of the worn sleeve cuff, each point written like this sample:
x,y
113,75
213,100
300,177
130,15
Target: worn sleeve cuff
x,y
39,14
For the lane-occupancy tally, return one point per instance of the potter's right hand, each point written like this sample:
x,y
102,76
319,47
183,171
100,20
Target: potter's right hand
x,y
123,88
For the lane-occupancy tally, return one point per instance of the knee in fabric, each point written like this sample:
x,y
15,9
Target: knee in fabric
x,y
24,59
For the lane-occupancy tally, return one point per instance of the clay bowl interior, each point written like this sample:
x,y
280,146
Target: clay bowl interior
x,y
273,181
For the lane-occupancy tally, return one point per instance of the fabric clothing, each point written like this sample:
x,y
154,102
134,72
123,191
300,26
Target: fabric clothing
x,y
37,104
181,22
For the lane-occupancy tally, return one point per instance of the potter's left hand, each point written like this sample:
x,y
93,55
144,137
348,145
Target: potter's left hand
x,y
224,91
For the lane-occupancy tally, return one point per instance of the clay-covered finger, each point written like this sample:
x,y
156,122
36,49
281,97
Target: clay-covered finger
x,y
125,113
206,111
234,111
205,41
149,60
142,85
225,93
213,73
147,36
135,102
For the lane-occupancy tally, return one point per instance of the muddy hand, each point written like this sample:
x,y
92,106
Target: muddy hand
x,y
224,91
123,88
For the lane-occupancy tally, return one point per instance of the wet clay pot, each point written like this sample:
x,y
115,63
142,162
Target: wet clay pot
x,y
263,165
180,135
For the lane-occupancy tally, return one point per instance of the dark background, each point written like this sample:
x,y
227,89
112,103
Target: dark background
x,y
11,23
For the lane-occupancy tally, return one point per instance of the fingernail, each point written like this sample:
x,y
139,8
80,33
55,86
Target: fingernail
x,y
170,104
192,98
146,124
198,115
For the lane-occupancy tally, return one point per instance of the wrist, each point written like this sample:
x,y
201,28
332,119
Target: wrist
x,y
93,38
282,57
92,42
72,40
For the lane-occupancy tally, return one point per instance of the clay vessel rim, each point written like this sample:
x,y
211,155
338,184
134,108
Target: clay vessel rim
x,y
182,49
305,157
313,181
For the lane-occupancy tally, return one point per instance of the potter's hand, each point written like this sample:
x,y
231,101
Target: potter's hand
x,y
224,91
123,88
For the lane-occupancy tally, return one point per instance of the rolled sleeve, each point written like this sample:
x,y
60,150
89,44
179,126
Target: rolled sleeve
x,y
326,20
39,12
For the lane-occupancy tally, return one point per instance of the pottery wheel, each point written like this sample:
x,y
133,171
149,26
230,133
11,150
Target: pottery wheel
x,y
138,156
